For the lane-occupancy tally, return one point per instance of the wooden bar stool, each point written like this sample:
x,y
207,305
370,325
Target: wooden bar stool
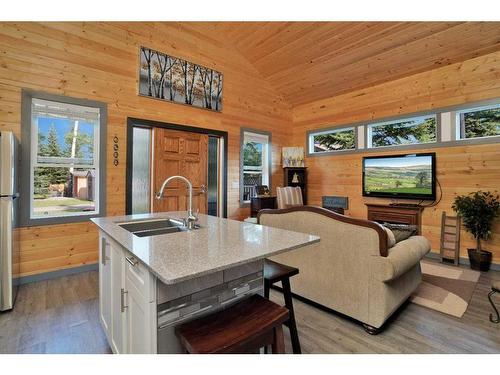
x,y
244,327
273,273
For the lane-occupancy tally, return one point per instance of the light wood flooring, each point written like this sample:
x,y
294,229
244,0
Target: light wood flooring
x,y
61,316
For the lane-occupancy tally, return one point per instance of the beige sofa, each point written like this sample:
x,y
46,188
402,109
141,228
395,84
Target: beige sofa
x,y
351,270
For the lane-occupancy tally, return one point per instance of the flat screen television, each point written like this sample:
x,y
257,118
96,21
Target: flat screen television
x,y
409,176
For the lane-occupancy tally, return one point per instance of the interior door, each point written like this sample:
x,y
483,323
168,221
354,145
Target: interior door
x,y
185,154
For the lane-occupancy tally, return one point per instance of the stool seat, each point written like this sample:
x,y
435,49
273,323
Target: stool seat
x,y
274,272
241,328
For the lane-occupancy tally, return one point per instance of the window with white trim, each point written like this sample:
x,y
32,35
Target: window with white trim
x,y
64,163
408,131
255,156
479,122
332,140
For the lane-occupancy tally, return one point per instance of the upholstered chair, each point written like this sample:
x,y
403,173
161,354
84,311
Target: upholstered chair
x,y
289,197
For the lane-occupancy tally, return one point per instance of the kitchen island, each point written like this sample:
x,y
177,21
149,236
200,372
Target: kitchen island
x,y
155,274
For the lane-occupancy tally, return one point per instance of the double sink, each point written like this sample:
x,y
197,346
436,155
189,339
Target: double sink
x,y
154,227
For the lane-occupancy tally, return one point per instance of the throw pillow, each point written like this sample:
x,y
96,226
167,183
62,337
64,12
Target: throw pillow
x,y
391,240
401,231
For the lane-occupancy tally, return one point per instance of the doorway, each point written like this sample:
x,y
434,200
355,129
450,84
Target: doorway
x,y
157,150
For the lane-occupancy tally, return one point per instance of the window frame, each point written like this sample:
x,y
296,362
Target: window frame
x,y
369,131
460,128
446,131
312,134
29,142
266,164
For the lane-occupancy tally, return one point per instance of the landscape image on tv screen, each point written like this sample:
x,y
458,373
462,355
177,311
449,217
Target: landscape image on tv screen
x,y
409,175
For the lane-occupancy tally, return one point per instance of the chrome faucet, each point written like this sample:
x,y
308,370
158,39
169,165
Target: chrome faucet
x,y
190,221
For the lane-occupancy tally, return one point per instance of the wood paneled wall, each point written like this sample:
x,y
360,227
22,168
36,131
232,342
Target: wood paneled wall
x,y
99,61
460,169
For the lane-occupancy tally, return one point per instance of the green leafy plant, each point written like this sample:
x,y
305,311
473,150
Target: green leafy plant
x,y
478,211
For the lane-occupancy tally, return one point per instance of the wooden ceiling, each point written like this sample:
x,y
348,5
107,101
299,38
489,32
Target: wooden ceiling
x,y
309,61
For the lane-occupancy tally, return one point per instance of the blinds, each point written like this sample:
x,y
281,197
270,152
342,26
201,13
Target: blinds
x,y
255,137
51,109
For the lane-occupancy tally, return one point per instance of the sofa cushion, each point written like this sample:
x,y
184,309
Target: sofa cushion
x,y
391,240
402,257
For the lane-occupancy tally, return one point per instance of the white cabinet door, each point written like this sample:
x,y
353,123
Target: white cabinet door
x,y
140,311
118,297
138,321
105,285
127,300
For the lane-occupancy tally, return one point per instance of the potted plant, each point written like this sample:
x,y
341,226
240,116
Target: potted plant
x,y
478,210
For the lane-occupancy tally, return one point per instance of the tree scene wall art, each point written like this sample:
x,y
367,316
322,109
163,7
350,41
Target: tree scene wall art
x,y
170,78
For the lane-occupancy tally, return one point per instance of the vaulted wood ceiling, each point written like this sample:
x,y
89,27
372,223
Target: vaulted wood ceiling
x,y
309,61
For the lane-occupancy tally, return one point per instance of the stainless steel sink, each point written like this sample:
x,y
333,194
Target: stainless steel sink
x,y
153,227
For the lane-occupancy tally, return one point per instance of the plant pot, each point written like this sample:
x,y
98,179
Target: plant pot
x,y
479,260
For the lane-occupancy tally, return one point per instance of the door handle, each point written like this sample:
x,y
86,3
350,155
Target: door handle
x,y
104,244
132,261
203,189
122,300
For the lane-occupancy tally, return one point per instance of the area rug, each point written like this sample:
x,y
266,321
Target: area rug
x,y
444,288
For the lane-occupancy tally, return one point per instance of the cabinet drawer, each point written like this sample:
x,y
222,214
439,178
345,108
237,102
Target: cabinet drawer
x,y
138,275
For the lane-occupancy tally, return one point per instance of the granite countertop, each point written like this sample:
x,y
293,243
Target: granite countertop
x,y
219,244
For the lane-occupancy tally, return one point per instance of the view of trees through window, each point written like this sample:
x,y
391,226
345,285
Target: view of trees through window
x,y
482,123
252,168
343,139
408,131
252,154
63,170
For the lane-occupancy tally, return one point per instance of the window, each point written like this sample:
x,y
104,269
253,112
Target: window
x,y
408,131
478,122
65,170
256,160
332,140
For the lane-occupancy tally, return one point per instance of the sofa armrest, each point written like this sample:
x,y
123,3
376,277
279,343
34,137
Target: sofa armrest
x,y
402,257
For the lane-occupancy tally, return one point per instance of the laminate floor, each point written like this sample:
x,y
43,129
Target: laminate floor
x,y
55,316
414,329
62,316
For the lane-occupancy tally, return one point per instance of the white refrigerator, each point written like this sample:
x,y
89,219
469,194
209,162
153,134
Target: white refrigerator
x,y
9,219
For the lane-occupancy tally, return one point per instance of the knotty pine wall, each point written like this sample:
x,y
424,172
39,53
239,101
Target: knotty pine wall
x,y
99,61
460,169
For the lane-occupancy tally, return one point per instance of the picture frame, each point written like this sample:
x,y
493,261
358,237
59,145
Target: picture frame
x,y
293,157
166,77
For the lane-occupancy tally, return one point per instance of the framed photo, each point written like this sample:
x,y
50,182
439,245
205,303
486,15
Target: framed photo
x,y
173,79
262,190
293,157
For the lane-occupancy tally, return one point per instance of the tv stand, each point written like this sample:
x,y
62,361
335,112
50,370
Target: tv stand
x,y
398,214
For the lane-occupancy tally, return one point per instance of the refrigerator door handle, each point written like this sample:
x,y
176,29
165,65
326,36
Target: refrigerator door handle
x,y
6,292
8,149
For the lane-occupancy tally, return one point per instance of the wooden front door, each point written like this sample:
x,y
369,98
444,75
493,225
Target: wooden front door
x,y
185,154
